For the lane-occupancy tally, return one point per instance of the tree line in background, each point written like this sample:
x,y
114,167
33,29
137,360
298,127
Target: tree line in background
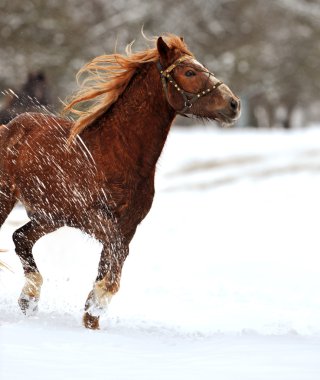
x,y
268,51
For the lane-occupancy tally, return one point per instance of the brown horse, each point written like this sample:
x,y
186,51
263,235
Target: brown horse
x,y
97,173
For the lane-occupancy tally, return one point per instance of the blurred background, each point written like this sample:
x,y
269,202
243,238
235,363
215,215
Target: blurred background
x,y
267,51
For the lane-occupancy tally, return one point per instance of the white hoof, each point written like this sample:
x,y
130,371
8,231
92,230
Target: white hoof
x,y
28,305
30,295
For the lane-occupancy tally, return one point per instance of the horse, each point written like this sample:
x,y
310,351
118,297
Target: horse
x,y
95,171
33,95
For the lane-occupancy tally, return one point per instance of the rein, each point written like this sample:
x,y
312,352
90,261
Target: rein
x,y
189,97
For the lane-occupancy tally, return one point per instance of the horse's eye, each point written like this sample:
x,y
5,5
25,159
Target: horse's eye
x,y
190,73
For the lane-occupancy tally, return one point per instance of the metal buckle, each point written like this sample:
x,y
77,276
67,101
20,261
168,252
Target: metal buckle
x,y
188,104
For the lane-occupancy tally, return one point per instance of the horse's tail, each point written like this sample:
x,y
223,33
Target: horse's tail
x,y
2,264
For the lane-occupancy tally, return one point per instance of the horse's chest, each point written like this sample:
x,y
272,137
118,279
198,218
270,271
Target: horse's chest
x,y
136,203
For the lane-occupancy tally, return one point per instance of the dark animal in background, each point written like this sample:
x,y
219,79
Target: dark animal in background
x,y
97,173
31,97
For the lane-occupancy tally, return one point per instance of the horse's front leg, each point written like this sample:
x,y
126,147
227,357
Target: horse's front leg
x,y
107,283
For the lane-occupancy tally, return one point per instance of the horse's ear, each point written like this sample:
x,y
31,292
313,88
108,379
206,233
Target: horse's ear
x,y
163,48
182,39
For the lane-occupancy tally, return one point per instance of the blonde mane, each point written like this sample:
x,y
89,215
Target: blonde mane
x,y
107,76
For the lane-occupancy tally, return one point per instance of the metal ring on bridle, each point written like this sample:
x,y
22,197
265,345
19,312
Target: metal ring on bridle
x,y
188,103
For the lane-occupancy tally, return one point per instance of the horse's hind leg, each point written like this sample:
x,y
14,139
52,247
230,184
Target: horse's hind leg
x,y
24,239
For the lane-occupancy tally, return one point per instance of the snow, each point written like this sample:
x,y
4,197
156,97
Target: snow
x,y
222,280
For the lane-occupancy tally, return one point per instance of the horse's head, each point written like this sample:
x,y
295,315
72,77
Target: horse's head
x,y
191,89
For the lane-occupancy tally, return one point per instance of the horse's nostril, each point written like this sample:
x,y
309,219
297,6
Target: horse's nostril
x,y
234,104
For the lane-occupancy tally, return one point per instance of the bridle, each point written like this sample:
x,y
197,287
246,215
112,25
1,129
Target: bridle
x,y
189,97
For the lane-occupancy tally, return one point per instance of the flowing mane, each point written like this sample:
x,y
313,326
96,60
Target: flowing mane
x,y
107,76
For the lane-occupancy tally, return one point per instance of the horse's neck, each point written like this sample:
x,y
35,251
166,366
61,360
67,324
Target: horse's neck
x,y
136,127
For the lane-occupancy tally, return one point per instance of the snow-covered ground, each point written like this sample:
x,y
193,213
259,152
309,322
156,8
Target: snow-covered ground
x,y
222,282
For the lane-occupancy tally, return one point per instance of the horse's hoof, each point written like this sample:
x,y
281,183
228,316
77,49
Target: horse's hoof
x,y
90,321
28,305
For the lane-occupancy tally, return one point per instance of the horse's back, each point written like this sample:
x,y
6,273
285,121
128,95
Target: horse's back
x,y
31,124
26,133
30,120
33,148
